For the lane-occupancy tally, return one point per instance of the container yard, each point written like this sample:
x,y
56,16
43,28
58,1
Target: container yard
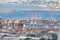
x,y
29,20
33,28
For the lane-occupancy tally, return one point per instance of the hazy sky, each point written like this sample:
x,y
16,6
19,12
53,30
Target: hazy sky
x,y
6,1
10,11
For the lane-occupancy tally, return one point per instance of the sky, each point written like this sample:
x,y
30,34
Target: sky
x,y
5,1
7,6
14,14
